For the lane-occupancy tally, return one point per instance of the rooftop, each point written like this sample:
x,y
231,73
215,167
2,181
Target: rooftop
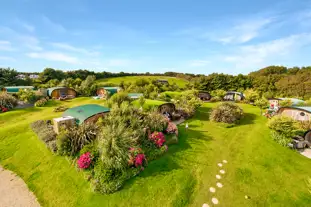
x,y
83,112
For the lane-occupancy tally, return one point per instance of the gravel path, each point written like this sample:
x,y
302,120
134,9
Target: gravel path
x,y
14,192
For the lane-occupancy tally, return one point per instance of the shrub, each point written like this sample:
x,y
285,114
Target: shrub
x,y
155,121
113,143
26,95
307,102
262,104
251,95
286,102
226,112
283,125
155,153
41,102
60,109
215,99
107,180
188,102
172,128
118,99
91,148
137,158
219,93
157,138
72,140
84,160
7,101
304,125
280,138
141,101
45,132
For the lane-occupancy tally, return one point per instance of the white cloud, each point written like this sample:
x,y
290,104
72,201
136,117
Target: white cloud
x,y
263,54
7,58
6,46
31,42
199,63
54,56
52,25
71,48
243,32
28,27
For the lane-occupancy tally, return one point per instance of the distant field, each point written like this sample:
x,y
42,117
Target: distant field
x,y
117,80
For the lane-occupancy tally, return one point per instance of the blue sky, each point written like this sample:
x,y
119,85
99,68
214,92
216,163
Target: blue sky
x,y
198,37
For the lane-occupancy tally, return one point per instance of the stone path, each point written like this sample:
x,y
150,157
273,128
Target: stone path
x,y
214,200
14,192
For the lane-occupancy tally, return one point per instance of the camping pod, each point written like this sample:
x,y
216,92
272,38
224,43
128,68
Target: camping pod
x,y
276,101
88,113
297,113
61,92
166,108
233,96
15,89
104,92
204,96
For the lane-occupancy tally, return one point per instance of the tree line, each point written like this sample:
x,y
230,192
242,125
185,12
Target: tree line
x,y
269,82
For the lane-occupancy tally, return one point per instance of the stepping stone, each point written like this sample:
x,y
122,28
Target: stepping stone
x,y
219,185
219,164
211,189
218,177
222,171
215,201
205,205
225,161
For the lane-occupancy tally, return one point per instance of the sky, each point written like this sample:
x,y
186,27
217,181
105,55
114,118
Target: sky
x,y
156,36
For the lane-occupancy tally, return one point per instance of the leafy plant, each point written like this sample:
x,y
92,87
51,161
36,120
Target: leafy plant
x,y
72,140
155,121
286,102
283,125
215,99
60,109
251,95
113,143
41,102
262,104
219,93
227,112
7,101
141,101
118,99
45,132
26,95
280,138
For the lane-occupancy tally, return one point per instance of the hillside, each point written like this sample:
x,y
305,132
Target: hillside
x,y
117,80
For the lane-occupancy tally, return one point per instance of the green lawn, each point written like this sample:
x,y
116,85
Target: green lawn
x,y
117,80
258,167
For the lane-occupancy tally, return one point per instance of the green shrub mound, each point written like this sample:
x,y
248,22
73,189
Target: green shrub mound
x,y
26,95
70,141
45,132
227,113
7,100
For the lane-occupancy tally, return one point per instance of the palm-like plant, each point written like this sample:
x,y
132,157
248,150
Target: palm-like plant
x,y
115,140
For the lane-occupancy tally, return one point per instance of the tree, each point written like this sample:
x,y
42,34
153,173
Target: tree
x,y
219,93
50,73
262,104
88,86
8,77
251,95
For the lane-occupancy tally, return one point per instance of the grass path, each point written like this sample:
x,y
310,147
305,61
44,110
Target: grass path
x,y
269,174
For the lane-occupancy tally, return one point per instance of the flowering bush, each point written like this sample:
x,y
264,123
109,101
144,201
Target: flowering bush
x,y
137,158
3,109
7,101
40,102
157,138
172,128
85,160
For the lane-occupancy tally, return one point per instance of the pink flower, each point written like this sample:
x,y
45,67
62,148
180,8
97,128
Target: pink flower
x,y
158,138
84,161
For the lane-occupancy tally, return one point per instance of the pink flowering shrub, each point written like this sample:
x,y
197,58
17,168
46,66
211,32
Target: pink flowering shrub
x,y
85,160
172,128
157,138
137,158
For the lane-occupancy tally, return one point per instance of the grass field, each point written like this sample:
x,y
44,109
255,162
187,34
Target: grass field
x,y
268,173
180,82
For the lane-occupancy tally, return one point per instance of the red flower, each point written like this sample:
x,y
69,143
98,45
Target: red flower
x,y
84,161
158,138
